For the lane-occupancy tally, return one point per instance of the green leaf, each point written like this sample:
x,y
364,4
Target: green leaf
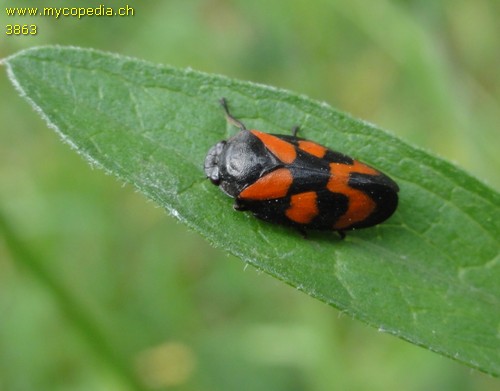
x,y
429,275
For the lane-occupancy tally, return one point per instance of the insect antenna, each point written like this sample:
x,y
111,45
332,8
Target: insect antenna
x,y
229,117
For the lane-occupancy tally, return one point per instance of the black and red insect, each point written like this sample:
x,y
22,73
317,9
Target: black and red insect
x,y
296,182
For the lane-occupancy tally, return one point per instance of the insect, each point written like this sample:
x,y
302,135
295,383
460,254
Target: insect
x,y
296,182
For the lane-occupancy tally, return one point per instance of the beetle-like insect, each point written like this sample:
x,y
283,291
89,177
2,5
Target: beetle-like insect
x,y
296,182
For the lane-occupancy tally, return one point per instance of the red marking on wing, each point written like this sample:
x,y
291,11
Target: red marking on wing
x,y
313,148
270,186
303,208
282,149
360,205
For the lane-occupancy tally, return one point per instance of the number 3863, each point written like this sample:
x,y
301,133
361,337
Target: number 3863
x,y
21,29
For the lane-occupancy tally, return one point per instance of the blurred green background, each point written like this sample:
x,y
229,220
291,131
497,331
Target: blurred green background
x,y
107,292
